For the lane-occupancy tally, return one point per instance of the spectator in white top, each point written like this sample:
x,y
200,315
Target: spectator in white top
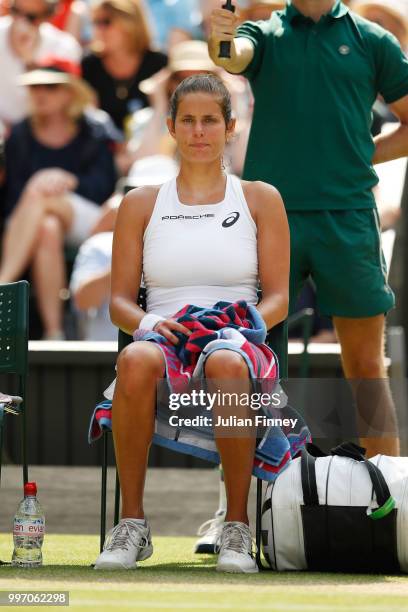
x,y
25,39
90,287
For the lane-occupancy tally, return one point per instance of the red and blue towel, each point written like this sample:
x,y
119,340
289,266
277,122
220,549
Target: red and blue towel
x,y
238,327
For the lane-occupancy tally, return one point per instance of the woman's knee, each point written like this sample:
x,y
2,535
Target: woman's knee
x,y
139,364
226,364
50,233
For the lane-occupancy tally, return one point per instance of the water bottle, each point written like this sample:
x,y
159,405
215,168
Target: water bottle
x,y
28,530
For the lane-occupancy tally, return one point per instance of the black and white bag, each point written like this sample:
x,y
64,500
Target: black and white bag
x,y
340,512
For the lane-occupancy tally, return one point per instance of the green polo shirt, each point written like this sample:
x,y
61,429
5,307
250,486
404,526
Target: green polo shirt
x,y
314,86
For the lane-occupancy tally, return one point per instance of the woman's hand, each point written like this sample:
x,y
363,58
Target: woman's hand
x,y
167,326
52,182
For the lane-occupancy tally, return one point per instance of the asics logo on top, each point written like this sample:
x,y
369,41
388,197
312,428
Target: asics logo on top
x,y
231,219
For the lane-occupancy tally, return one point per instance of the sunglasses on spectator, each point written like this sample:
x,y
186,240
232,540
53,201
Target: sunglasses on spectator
x,y
103,22
31,17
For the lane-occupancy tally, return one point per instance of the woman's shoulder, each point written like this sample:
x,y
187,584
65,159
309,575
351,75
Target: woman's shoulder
x,y
261,197
260,189
139,202
91,63
20,132
99,125
153,61
90,59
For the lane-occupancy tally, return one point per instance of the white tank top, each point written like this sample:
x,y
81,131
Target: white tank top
x,y
199,254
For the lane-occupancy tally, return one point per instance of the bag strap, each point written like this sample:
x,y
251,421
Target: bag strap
x,y
308,473
385,501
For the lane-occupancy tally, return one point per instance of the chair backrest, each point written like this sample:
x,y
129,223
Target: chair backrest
x,y
14,327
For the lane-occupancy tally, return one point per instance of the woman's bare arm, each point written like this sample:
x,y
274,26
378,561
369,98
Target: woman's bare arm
x,y
127,251
273,250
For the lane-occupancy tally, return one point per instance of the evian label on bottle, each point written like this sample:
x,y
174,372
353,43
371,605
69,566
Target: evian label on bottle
x,y
29,527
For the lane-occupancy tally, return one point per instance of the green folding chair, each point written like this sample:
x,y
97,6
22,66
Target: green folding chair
x,y
14,356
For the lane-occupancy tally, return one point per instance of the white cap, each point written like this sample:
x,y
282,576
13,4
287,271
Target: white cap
x,y
152,170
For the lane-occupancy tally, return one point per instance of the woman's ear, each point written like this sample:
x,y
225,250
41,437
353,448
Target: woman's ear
x,y
230,130
170,127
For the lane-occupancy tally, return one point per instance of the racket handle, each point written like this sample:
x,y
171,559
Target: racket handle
x,y
225,49
225,45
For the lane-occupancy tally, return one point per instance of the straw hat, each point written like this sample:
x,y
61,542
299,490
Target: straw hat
x,y
189,55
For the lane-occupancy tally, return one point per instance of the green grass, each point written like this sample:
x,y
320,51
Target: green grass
x,y
176,579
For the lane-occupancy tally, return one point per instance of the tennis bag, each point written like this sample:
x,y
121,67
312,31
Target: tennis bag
x,y
339,512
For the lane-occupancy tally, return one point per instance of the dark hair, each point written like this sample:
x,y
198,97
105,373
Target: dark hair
x,y
203,83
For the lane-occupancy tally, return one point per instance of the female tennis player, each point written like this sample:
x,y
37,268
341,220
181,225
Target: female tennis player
x,y
201,238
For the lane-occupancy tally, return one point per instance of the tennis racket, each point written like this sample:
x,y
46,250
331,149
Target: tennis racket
x,y
225,45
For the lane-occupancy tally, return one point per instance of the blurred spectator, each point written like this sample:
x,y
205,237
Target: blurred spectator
x,y
122,57
90,287
148,128
174,21
59,171
73,16
26,38
390,14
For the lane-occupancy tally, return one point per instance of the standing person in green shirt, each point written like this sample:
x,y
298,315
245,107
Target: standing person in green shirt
x,y
315,69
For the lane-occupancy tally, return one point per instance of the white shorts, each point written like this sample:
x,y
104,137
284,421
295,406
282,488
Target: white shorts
x,y
85,215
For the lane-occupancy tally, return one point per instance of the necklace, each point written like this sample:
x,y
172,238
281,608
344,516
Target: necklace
x,y
123,86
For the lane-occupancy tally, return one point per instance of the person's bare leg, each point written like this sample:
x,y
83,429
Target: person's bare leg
x,y
49,279
362,352
139,367
229,373
22,230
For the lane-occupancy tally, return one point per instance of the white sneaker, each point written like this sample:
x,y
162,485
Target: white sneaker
x,y
210,533
129,541
235,549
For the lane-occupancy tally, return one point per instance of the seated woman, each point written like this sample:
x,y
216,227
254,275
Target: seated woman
x,y
178,235
59,171
121,57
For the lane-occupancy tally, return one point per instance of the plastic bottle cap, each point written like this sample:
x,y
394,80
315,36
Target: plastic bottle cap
x,y
30,488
